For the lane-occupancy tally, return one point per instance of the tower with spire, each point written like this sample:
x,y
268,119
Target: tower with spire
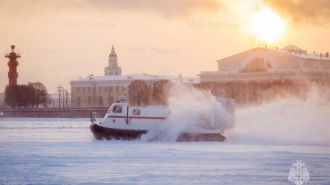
x,y
13,63
112,68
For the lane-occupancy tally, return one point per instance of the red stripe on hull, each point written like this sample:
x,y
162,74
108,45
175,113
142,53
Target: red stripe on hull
x,y
137,117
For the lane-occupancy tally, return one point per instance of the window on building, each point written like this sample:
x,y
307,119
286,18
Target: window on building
x,y
78,101
83,89
122,89
100,101
89,89
105,89
100,89
117,109
110,89
77,89
256,65
89,100
117,89
136,111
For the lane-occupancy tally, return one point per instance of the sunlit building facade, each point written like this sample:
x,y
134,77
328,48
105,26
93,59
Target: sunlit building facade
x,y
102,91
263,64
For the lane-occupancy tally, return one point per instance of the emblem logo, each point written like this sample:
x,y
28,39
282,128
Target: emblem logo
x,y
298,173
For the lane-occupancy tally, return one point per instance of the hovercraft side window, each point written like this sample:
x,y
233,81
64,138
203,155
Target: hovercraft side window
x,y
117,109
136,111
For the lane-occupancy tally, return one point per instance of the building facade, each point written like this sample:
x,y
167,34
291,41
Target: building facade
x,y
102,91
263,64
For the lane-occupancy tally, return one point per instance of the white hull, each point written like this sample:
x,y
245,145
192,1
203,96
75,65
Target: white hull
x,y
125,122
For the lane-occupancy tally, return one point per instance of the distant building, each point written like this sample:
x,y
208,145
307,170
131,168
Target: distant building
x,y
112,68
102,91
2,99
263,64
60,101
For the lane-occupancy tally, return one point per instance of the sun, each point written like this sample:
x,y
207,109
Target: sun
x,y
266,25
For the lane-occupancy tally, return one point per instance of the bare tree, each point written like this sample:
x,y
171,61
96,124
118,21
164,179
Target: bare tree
x,y
23,93
40,93
254,91
158,93
18,95
233,89
48,100
26,95
138,92
11,95
205,85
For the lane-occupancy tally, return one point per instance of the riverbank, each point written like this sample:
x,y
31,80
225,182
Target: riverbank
x,y
51,112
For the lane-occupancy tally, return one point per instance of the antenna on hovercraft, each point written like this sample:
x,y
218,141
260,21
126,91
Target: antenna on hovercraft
x,y
123,98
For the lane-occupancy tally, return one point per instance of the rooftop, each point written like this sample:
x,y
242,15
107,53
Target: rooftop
x,y
290,50
292,47
298,52
132,77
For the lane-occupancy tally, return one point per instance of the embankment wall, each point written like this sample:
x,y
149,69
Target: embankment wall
x,y
51,112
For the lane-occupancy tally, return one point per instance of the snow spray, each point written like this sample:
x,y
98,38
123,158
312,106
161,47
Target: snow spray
x,y
289,120
187,106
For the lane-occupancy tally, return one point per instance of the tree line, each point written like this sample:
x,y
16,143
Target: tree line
x,y
255,92
24,96
155,93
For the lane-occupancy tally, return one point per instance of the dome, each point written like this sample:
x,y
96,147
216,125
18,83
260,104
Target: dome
x,y
113,55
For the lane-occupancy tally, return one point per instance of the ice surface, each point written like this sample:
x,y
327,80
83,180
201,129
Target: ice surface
x,y
63,151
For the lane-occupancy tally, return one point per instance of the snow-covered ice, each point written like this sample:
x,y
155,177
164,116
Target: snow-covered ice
x,y
261,148
63,151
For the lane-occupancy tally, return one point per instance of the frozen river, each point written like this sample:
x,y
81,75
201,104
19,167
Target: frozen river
x,y
63,151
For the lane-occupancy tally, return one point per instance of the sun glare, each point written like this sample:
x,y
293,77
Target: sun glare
x,y
266,25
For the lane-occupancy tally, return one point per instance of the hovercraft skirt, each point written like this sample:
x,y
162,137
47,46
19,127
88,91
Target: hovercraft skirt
x,y
123,134
118,134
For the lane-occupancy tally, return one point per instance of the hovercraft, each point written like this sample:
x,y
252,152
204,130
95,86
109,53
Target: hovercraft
x,y
125,122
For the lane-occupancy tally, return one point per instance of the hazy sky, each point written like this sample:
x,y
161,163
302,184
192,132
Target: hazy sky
x,y
61,40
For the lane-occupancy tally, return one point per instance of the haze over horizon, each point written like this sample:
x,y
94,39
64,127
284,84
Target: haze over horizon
x,y
62,40
256,111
